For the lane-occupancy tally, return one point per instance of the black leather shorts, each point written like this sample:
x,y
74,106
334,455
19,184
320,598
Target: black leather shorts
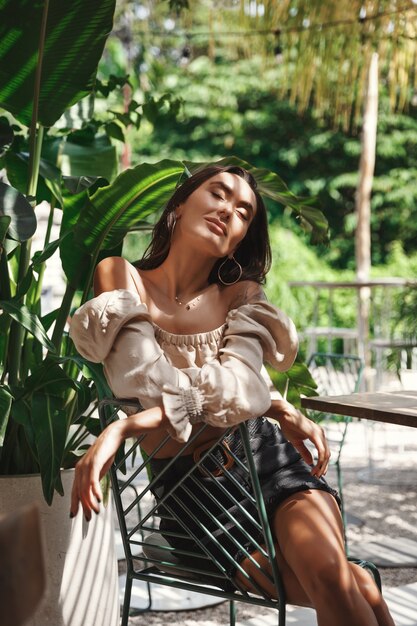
x,y
281,470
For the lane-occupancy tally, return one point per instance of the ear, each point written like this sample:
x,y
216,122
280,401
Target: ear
x,y
178,211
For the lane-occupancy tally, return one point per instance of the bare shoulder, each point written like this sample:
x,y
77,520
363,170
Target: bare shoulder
x,y
244,292
114,272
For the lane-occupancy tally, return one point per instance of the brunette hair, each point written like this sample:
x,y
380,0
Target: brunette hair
x,y
253,252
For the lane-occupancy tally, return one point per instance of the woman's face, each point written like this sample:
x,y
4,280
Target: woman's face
x,y
217,214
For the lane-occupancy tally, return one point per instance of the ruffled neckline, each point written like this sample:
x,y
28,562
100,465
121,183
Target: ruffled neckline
x,y
192,339
207,337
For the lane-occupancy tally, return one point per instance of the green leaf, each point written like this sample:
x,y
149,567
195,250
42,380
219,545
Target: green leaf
x,y
115,131
23,219
75,259
24,286
294,382
84,396
48,319
28,320
43,255
75,36
134,194
93,371
77,184
48,377
25,456
4,227
50,427
6,135
97,158
6,399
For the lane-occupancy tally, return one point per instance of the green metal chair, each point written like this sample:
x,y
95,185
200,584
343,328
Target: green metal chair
x,y
335,374
203,570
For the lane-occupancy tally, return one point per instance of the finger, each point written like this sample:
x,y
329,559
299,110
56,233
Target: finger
x,y
75,499
85,479
323,452
319,441
97,492
305,452
88,498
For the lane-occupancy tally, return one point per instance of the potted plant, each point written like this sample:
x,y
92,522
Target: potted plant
x,y
49,53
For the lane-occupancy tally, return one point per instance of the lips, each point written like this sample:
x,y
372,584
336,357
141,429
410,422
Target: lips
x,y
218,225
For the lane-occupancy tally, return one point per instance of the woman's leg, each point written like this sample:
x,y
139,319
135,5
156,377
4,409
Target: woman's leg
x,y
314,567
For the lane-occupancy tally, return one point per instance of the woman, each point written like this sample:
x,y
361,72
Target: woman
x,y
187,333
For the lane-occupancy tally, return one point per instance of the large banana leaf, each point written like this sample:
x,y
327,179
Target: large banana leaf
x,y
272,186
76,32
15,205
134,194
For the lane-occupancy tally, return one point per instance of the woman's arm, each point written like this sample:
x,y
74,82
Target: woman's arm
x,y
296,427
99,457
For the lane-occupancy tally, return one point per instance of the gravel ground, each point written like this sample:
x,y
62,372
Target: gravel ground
x,y
385,502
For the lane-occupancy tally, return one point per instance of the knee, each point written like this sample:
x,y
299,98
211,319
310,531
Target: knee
x,y
331,577
366,584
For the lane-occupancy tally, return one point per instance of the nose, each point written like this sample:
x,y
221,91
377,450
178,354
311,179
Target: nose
x,y
225,211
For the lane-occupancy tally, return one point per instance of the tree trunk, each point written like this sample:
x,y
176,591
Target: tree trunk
x,y
363,206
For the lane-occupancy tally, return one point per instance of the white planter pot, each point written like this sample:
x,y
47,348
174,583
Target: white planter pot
x,y
80,559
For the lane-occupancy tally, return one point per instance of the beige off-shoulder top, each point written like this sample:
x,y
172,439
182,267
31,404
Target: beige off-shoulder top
x,y
216,377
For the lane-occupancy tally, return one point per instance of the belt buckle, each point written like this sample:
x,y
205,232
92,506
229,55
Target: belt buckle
x,y
218,471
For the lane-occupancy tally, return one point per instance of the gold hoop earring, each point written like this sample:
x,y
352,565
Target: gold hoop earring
x,y
240,270
173,226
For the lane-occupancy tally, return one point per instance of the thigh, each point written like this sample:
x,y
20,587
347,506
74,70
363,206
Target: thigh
x,y
309,530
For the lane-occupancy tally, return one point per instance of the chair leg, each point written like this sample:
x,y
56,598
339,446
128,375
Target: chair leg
x,y
232,612
126,601
282,616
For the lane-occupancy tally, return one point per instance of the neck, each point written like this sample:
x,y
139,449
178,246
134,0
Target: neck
x,y
183,274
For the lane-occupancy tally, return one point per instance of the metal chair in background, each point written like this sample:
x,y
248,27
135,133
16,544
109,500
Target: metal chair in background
x,y
198,520
335,374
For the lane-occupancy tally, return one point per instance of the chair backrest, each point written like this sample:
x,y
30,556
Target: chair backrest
x,y
335,374
213,520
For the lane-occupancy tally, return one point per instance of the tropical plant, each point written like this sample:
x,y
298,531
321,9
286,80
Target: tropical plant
x,y
48,60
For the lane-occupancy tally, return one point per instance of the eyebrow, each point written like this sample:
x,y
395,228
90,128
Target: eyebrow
x,y
229,191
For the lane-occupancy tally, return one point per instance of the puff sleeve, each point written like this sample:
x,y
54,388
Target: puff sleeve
x,y
115,328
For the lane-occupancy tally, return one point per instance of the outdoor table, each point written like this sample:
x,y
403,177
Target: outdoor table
x,y
392,407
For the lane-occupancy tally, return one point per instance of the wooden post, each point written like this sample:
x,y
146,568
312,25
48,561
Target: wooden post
x,y
363,207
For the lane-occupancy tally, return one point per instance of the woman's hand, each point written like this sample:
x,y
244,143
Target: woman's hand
x,y
296,427
92,467
99,457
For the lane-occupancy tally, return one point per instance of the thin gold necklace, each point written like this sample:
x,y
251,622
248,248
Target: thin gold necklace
x,y
190,304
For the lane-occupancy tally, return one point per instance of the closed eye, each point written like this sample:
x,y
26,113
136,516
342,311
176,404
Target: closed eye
x,y
217,195
243,214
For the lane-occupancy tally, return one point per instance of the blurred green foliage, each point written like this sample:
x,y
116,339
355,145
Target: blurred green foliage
x,y
234,109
